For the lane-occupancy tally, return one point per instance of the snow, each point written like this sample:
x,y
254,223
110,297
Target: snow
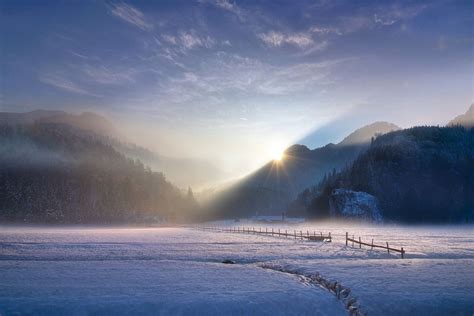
x,y
145,271
180,271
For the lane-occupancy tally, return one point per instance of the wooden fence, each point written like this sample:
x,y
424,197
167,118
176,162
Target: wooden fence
x,y
372,245
311,236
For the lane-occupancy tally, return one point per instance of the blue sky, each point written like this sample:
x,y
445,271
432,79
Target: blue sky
x,y
236,81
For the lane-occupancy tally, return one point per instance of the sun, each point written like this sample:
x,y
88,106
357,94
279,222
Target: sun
x,y
275,151
278,156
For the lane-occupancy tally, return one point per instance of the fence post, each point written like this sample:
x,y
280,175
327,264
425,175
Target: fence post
x,y
360,244
403,252
272,231
347,236
330,238
352,241
295,234
388,249
286,233
279,232
301,234
372,244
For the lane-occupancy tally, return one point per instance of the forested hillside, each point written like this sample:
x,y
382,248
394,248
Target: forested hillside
x,y
53,172
421,174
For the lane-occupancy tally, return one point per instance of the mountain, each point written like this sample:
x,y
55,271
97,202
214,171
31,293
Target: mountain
x,y
271,188
183,172
86,121
364,134
421,174
466,120
13,118
50,173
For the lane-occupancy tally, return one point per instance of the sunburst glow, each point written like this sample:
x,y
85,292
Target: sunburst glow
x,y
277,153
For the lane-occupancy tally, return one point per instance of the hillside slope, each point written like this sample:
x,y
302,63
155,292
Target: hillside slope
x,y
270,189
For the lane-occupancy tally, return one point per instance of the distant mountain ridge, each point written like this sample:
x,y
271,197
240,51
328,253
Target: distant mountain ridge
x,y
271,188
87,120
365,134
466,120
183,172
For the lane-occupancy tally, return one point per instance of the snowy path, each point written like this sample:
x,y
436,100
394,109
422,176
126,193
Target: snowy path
x,y
179,271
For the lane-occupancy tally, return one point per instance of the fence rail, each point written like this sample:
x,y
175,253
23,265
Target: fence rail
x,y
311,236
372,245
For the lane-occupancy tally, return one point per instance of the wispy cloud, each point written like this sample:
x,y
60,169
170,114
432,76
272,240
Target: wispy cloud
x,y
276,39
395,13
104,75
272,38
79,55
298,77
232,75
187,40
131,15
190,40
63,84
382,15
325,30
226,5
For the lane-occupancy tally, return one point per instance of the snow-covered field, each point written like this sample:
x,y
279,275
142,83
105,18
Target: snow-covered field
x,y
180,271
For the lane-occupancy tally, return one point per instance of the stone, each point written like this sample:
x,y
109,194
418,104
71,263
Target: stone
x,y
350,204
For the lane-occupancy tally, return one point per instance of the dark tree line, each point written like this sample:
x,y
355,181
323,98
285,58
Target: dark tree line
x,y
55,173
421,174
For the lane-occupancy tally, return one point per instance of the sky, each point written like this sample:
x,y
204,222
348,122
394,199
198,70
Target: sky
x,y
236,82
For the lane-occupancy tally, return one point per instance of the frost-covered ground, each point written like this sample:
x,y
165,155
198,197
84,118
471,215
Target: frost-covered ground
x,y
179,271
